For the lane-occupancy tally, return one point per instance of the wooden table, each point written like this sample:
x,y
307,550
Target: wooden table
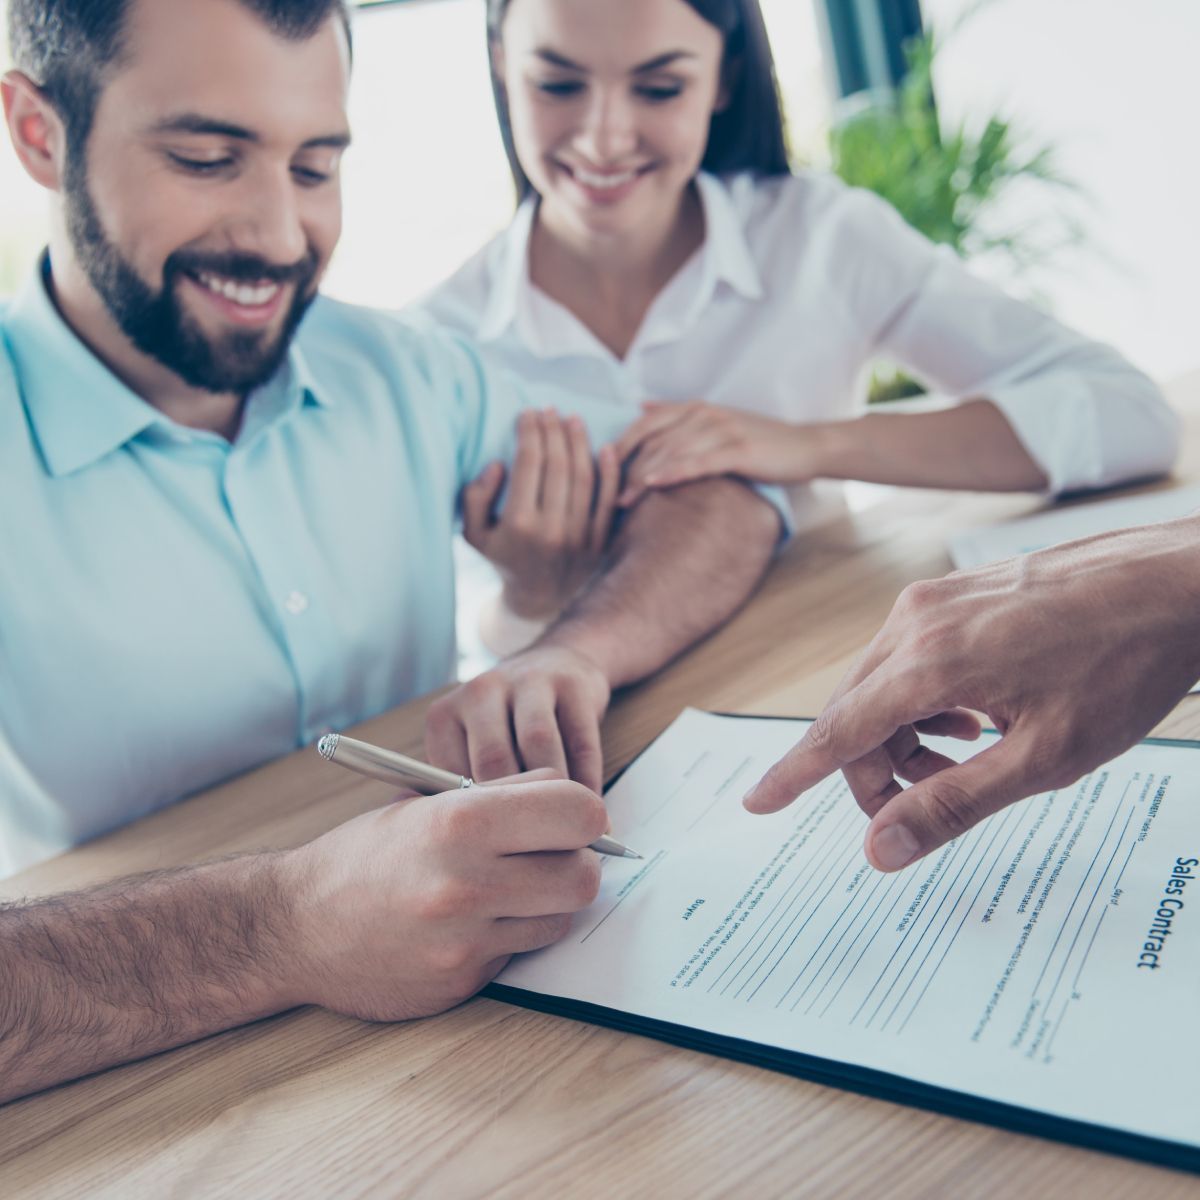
x,y
497,1101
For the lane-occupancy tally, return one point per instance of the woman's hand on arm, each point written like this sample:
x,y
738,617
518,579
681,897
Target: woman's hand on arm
x,y
552,532
674,442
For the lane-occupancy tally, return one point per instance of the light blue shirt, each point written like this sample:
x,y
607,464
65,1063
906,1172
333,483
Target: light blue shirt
x,y
175,609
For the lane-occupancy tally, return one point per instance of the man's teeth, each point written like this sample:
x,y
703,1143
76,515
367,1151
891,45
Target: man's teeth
x,y
248,294
602,181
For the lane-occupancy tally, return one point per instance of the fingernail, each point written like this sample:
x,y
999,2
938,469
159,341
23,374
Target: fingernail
x,y
758,799
894,847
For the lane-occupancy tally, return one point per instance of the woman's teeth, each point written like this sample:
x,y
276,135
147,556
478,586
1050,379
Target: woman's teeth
x,y
590,179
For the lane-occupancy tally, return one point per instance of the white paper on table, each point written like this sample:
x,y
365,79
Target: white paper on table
x,y
1011,966
991,543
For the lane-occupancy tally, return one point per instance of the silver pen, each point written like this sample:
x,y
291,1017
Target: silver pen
x,y
402,771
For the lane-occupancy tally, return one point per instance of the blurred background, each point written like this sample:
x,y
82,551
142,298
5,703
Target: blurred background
x,y
1047,140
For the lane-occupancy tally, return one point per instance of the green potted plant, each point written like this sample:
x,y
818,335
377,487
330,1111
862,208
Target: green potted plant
x,y
951,183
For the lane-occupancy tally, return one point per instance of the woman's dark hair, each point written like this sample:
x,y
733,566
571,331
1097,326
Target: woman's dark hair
x,y
746,135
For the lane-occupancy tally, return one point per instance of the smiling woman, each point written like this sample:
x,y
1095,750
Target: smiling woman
x,y
423,194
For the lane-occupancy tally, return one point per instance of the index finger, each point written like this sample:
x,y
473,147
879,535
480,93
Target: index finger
x,y
536,727
579,727
651,421
868,661
850,728
532,817
582,477
558,464
525,479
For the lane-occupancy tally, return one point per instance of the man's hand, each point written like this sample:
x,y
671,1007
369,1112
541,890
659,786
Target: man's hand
x,y
401,912
552,532
673,443
1073,652
541,708
412,908
681,562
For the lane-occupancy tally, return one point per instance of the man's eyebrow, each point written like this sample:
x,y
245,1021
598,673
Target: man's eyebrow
x,y
653,64
334,141
200,124
196,123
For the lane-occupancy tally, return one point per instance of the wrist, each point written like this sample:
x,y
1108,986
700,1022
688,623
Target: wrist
x,y
294,881
530,602
1178,585
597,652
826,449
503,631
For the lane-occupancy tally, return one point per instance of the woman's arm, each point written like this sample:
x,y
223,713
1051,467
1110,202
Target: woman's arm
x,y
1038,405
971,445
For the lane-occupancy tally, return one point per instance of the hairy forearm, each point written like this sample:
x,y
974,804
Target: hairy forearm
x,y
122,971
969,446
683,561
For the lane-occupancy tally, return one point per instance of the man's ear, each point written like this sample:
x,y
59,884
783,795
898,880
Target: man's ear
x,y
35,128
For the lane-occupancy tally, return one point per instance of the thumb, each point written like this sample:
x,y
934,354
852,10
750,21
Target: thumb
x,y
928,814
478,498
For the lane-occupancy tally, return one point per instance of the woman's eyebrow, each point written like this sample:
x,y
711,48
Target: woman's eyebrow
x,y
661,60
557,60
652,64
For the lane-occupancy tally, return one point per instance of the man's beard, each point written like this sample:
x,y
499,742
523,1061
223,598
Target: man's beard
x,y
156,322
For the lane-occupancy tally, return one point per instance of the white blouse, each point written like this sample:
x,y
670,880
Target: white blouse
x,y
801,283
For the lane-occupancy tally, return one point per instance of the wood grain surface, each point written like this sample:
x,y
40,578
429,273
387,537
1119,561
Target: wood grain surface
x,y
489,1100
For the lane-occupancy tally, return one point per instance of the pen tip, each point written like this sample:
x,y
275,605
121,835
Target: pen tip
x,y
633,854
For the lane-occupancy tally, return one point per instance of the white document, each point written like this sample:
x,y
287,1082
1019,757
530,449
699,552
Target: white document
x,y
991,543
1048,959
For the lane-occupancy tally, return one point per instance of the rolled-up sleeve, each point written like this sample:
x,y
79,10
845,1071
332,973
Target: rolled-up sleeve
x,y
1085,415
1091,424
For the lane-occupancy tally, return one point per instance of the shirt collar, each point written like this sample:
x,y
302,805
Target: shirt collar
x,y
726,254
509,273
78,409
725,259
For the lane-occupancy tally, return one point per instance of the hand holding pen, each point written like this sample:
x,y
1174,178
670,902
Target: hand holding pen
x,y
402,771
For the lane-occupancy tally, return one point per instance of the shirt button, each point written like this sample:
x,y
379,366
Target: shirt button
x,y
296,603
